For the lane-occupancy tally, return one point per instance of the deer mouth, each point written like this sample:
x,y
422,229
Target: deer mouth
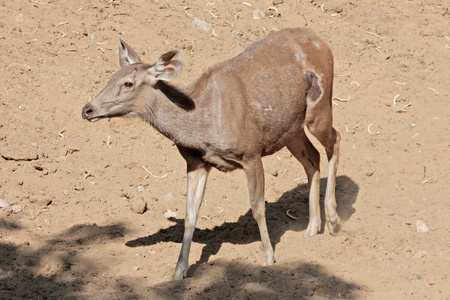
x,y
88,114
94,119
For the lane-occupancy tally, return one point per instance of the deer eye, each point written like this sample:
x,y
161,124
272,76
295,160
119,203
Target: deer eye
x,y
128,84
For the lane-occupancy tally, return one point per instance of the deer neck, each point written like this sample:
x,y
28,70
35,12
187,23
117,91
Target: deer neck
x,y
174,114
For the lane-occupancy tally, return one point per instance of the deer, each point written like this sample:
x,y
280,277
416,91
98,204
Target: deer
x,y
235,113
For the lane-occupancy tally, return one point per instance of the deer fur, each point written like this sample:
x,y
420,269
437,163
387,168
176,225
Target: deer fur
x,y
234,114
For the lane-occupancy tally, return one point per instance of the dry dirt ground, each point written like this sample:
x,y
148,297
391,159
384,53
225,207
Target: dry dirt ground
x,y
75,228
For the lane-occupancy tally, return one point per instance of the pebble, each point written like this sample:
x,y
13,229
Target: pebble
x,y
60,159
170,214
273,172
368,157
3,203
19,152
141,188
258,14
19,18
420,254
139,206
70,192
201,24
40,200
16,209
421,226
336,6
369,174
168,196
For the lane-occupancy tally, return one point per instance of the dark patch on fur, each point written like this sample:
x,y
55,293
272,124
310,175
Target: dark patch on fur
x,y
313,90
176,96
312,163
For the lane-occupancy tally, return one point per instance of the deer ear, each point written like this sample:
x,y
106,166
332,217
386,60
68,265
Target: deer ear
x,y
127,55
168,66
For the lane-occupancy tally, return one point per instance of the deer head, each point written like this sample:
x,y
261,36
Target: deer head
x,y
133,85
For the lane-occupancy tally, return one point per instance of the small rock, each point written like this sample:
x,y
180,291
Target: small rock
x,y
168,196
421,226
170,214
258,14
399,107
38,167
19,153
152,252
3,203
40,200
139,206
70,192
60,159
141,188
16,209
273,172
136,268
420,254
277,2
336,6
368,157
19,18
201,24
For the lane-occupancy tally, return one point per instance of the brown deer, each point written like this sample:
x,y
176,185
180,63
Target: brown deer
x,y
237,112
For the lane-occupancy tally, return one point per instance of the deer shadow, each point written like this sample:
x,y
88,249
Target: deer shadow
x,y
298,280
245,230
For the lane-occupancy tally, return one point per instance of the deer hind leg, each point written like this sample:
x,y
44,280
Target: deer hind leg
x,y
330,140
255,179
302,149
319,122
197,175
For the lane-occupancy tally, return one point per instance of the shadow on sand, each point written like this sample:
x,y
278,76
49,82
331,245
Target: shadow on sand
x,y
245,229
58,269
238,280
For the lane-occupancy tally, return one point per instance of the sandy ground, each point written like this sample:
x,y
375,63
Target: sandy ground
x,y
75,228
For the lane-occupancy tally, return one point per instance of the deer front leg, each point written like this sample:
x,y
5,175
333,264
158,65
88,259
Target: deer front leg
x,y
255,177
197,175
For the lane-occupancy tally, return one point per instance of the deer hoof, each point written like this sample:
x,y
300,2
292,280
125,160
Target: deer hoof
x,y
332,226
178,274
312,230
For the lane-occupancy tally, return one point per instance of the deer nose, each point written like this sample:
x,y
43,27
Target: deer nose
x,y
87,111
